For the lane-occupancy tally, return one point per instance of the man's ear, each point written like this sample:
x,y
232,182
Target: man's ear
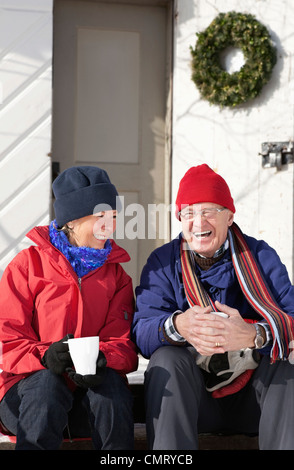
x,y
230,218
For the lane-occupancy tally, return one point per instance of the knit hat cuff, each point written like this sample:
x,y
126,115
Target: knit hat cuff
x,y
207,194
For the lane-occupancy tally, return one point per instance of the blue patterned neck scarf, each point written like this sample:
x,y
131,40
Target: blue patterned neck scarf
x,y
82,258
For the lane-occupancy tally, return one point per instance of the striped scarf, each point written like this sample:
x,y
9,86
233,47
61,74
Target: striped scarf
x,y
253,286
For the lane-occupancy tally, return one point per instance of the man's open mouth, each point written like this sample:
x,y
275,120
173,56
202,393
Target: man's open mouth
x,y
205,234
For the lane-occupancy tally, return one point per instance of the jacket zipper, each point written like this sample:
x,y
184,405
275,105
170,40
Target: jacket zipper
x,y
80,283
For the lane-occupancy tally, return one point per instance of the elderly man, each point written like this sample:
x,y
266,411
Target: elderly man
x,y
215,314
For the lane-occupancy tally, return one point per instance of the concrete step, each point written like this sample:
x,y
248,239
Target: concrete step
x,y
206,442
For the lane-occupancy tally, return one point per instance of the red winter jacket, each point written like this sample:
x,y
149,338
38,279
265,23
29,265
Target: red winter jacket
x,y
42,299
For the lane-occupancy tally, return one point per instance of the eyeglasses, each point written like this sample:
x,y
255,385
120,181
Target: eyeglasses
x,y
208,214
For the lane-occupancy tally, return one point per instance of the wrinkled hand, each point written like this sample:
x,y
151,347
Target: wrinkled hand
x,y
57,357
91,380
204,330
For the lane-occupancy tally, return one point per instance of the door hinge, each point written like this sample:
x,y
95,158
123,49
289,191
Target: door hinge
x,y
276,154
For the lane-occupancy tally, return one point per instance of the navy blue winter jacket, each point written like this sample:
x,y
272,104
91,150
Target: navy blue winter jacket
x,y
161,291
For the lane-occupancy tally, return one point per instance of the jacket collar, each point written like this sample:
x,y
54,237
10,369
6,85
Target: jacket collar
x,y
40,236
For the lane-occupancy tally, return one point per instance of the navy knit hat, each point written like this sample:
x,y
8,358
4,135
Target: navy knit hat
x,y
78,190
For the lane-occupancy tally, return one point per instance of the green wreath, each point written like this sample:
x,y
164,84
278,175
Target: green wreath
x,y
246,33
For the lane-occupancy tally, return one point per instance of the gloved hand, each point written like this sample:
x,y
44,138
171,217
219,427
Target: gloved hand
x,y
91,380
57,357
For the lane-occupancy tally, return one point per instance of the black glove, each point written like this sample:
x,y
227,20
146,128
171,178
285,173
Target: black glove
x,y
57,357
91,380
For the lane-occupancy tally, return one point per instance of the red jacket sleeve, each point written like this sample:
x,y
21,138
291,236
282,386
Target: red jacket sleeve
x,y
21,348
115,340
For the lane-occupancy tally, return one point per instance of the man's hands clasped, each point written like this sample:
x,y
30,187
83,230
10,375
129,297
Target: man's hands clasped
x,y
211,334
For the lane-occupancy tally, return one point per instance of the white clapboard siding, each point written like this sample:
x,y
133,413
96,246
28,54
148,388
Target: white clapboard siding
x,y
25,121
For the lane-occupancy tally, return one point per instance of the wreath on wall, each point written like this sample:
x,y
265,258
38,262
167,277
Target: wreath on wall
x,y
244,32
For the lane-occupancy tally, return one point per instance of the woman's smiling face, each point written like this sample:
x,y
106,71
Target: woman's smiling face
x,y
206,232
93,230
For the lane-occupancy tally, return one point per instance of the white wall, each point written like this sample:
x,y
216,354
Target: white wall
x,y
230,140
25,120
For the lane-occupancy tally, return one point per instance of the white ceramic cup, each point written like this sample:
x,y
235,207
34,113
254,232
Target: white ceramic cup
x,y
220,314
84,354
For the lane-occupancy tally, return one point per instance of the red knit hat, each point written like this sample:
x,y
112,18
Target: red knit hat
x,y
202,184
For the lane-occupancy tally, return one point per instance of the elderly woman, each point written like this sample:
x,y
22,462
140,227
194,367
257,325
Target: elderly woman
x,y
212,303
69,284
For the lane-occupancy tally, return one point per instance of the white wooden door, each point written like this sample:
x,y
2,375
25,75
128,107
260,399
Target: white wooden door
x,y
110,101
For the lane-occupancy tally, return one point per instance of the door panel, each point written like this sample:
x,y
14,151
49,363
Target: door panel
x,y
108,96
